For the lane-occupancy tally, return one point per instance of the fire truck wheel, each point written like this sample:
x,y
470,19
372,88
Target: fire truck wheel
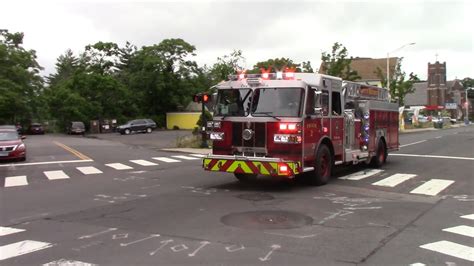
x,y
381,155
323,166
246,178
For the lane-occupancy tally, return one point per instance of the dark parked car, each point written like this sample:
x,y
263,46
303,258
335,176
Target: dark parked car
x,y
36,128
76,127
11,145
137,125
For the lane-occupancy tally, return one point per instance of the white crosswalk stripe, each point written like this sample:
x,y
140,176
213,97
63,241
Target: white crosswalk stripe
x,y
393,180
143,162
53,175
22,248
15,181
469,216
65,262
9,230
166,159
185,157
89,170
198,155
361,175
451,249
461,230
119,166
432,187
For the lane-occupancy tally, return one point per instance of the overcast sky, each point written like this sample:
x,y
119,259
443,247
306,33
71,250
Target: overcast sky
x,y
262,30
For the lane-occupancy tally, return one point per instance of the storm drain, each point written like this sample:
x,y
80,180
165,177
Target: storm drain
x,y
256,197
267,220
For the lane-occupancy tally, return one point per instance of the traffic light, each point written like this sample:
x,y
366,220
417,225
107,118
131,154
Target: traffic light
x,y
197,98
205,98
201,97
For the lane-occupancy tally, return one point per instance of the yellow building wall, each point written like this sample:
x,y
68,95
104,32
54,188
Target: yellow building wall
x,y
183,120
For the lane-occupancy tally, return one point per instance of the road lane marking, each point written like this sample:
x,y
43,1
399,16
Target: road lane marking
x,y
42,163
198,155
438,137
21,248
73,151
53,175
432,187
89,170
469,216
432,156
143,162
361,175
461,230
409,144
15,181
451,249
393,180
119,166
9,230
185,157
166,159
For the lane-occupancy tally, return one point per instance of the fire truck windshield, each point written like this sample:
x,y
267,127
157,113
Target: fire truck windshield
x,y
233,102
284,102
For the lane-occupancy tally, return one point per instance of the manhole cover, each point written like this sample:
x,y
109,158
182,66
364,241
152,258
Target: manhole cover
x,y
256,197
267,220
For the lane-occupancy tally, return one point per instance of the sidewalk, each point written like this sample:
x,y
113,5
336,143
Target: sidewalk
x,y
416,130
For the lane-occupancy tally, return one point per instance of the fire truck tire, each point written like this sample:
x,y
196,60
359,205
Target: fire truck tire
x,y
381,156
322,167
246,178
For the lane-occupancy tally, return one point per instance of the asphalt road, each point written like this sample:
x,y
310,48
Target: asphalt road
x,y
111,202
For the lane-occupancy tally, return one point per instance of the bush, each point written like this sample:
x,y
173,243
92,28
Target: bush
x,y
175,127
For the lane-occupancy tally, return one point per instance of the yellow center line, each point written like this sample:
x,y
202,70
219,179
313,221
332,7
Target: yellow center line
x,y
73,151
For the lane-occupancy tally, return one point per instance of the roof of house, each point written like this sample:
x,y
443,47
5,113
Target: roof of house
x,y
367,67
420,96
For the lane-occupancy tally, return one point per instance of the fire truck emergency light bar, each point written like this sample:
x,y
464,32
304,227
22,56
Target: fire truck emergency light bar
x,y
287,75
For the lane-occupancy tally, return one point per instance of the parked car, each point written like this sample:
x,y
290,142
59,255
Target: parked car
x,y
76,127
36,128
11,145
137,125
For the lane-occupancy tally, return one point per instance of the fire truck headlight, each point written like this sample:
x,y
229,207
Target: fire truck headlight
x,y
217,124
364,147
210,124
216,135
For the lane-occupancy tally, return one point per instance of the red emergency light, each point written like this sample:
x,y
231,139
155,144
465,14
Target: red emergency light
x,y
288,127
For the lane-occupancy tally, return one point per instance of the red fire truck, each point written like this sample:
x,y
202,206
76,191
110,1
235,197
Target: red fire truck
x,y
287,124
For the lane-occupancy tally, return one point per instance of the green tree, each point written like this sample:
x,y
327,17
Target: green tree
x,y
400,84
306,67
20,82
276,64
337,63
226,65
66,65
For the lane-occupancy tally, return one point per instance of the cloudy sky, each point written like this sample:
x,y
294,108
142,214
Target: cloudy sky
x,y
299,30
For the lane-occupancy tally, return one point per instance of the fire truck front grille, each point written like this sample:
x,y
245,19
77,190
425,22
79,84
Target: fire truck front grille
x,y
258,138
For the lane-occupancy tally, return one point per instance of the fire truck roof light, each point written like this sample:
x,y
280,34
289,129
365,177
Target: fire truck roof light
x,y
279,75
265,75
242,76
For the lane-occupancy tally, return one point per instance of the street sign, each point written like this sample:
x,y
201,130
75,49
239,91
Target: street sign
x,y
451,106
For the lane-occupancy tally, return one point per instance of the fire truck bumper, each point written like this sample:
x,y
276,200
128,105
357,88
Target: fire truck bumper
x,y
251,165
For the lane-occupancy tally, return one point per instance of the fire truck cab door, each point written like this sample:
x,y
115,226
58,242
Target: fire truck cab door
x,y
317,122
337,124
